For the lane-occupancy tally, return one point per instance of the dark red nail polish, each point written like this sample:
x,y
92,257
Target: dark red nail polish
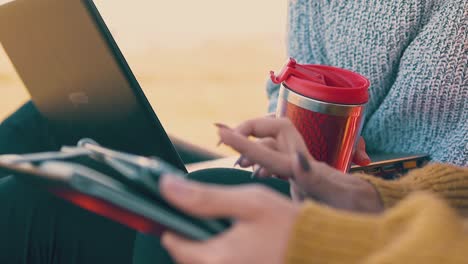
x,y
238,161
366,162
255,173
219,125
305,166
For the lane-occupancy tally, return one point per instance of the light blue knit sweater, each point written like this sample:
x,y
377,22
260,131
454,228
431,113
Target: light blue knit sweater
x,y
415,53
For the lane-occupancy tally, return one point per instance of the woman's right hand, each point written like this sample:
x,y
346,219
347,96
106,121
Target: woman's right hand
x,y
280,151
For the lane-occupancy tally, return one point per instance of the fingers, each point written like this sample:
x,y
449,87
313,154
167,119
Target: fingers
x,y
360,156
211,200
264,127
260,172
267,142
274,161
184,251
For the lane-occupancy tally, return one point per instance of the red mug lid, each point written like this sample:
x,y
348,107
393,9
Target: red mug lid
x,y
324,83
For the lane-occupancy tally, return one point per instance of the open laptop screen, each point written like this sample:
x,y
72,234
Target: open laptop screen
x,y
78,78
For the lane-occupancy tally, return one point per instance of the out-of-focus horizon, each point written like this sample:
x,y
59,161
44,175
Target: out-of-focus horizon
x,y
198,62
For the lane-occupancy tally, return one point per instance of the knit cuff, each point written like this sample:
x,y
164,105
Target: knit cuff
x,y
324,235
447,181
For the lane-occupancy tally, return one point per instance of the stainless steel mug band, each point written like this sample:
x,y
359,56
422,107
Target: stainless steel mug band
x,y
318,106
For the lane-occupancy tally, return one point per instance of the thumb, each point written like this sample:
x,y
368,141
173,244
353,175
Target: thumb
x,y
207,200
360,156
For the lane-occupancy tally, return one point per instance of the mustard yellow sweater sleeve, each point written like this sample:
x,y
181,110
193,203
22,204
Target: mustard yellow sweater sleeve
x,y
420,229
447,181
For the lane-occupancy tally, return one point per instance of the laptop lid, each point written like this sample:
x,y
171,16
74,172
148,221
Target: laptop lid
x,y
78,78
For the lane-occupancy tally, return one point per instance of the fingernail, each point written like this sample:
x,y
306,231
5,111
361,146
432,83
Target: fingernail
x,y
177,185
255,173
365,159
305,166
219,125
366,162
239,160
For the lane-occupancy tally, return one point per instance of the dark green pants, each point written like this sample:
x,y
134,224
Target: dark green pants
x,y
36,227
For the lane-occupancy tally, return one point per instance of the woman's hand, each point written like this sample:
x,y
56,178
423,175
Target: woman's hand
x,y
360,156
281,151
260,233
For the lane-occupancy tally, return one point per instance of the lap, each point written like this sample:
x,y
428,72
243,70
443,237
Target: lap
x,y
36,227
26,131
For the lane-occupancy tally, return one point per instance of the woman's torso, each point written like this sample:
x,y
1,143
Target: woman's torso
x,y
414,53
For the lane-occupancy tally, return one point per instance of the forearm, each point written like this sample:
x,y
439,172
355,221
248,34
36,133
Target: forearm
x,y
447,181
416,231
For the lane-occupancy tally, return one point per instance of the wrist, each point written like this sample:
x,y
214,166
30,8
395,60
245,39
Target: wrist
x,y
366,198
350,192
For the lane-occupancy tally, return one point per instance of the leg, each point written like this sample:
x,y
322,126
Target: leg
x,y
36,227
228,176
26,131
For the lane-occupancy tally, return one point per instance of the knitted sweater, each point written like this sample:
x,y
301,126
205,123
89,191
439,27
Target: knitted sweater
x,y
415,53
420,229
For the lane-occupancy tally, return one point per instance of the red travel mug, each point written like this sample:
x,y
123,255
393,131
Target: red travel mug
x,y
327,105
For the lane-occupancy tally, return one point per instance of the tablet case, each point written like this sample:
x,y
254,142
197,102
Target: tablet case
x,y
101,189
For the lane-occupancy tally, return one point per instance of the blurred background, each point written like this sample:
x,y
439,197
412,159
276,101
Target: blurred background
x,y
198,62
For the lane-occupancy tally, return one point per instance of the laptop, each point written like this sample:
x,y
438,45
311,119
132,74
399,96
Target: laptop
x,y
81,83
78,78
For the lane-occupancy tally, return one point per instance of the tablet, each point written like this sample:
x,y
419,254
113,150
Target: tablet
x,y
100,189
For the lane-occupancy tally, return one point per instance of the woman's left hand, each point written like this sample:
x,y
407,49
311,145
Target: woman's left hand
x,y
281,151
262,222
